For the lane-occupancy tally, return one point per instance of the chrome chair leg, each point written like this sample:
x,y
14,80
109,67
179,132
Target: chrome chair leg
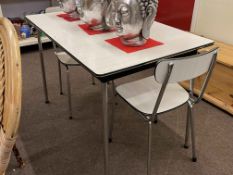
x,y
69,92
111,121
113,88
149,148
194,157
114,92
186,143
156,119
105,128
60,79
93,80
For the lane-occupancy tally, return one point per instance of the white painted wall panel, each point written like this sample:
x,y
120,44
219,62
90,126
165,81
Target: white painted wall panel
x,y
17,8
215,20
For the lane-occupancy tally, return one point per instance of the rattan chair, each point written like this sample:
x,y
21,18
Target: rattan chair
x,y
160,93
10,90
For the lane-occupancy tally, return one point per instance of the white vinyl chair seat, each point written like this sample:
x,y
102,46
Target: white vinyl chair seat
x,y
142,95
66,59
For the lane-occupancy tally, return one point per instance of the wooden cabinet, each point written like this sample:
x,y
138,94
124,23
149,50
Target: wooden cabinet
x,y
220,88
213,19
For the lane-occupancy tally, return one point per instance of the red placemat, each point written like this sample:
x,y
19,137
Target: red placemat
x,y
86,28
129,49
67,17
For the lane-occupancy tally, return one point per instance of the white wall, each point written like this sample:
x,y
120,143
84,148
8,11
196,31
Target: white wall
x,y
214,19
16,8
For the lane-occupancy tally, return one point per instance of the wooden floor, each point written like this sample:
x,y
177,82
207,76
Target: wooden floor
x,y
220,88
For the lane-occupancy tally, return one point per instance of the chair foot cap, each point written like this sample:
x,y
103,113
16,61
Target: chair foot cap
x,y
61,93
156,121
186,146
194,159
47,102
70,117
110,140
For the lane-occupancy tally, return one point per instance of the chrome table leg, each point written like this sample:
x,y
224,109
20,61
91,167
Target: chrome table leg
x,y
43,68
106,127
149,148
194,157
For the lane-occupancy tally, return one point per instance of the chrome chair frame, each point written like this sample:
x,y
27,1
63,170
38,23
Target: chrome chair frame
x,y
190,103
68,80
56,9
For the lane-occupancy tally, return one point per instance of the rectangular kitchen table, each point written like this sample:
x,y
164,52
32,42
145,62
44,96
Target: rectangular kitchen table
x,y
107,62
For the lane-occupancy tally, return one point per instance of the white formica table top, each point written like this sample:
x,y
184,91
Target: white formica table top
x,y
102,58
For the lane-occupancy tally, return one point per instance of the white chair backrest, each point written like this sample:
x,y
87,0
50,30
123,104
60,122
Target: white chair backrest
x,y
185,68
53,9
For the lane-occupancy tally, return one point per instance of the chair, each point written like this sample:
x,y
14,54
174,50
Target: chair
x,y
10,90
160,93
66,60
